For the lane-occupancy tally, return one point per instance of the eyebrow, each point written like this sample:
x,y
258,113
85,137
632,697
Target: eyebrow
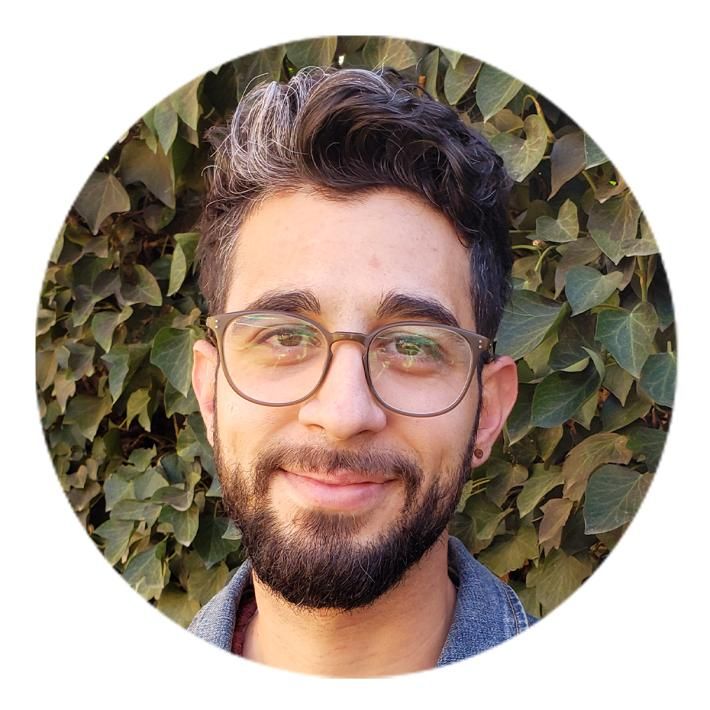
x,y
393,305
296,301
402,305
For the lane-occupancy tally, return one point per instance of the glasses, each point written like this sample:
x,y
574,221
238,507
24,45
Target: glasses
x,y
412,368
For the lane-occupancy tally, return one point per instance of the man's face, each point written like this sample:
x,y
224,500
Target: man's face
x,y
337,496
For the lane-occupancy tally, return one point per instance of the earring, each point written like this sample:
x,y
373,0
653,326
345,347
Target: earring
x,y
478,453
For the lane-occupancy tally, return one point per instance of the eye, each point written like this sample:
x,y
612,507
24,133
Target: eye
x,y
412,353
417,346
290,337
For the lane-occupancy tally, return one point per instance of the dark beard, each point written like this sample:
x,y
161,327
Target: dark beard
x,y
315,564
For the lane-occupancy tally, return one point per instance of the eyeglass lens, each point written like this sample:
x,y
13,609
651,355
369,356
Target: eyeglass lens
x,y
278,359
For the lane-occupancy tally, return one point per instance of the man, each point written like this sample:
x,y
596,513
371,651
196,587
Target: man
x,y
355,262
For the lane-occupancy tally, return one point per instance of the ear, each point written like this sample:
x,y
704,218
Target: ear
x,y
500,390
204,378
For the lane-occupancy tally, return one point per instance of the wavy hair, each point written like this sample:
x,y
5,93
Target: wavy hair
x,y
345,132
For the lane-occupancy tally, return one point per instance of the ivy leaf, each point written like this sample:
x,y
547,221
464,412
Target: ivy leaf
x,y
537,486
507,477
210,543
386,51
593,154
512,553
143,288
137,406
104,323
556,578
576,336
175,403
87,412
185,104
563,229
658,378
628,335
614,416
567,160
477,525
141,458
155,170
618,381
582,251
145,571
613,223
258,67
172,353
165,122
527,317
178,605
312,52
101,196
522,156
429,67
519,422
585,287
127,509
174,496
494,90
561,394
452,56
122,362
187,241
116,535
203,583
45,320
459,78
613,497
587,456
586,413
647,444
644,245
547,440
184,523
555,515
117,488
46,368
178,270
147,483
232,532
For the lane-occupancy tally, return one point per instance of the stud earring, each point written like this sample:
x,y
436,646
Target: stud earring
x,y
478,453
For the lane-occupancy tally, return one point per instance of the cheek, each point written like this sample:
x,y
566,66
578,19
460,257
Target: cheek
x,y
245,427
441,441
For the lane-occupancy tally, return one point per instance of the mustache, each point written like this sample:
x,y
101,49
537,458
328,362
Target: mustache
x,y
327,461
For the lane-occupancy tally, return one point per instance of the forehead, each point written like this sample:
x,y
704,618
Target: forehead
x,y
351,252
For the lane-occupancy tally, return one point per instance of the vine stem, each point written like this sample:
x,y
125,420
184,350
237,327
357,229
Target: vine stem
x,y
542,256
643,277
538,109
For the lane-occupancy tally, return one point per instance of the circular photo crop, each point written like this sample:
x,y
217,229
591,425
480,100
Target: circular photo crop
x,y
352,327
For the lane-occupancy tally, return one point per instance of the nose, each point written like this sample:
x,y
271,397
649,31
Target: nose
x,y
343,406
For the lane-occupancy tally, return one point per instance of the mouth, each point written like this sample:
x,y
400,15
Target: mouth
x,y
343,490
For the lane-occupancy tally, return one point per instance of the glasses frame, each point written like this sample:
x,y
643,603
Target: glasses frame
x,y
481,351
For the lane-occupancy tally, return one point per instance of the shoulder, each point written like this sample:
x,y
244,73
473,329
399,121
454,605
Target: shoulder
x,y
487,610
215,621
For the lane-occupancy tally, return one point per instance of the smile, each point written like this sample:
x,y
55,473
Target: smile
x,y
343,491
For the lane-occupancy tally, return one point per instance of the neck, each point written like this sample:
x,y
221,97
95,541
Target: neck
x,y
403,631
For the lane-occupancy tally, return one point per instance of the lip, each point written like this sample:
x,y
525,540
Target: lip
x,y
343,491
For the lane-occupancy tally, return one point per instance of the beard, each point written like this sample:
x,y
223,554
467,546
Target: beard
x,y
315,562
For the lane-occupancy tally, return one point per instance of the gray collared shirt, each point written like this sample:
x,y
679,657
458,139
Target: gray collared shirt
x,y
487,611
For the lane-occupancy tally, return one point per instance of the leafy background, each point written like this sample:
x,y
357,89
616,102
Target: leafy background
x,y
590,324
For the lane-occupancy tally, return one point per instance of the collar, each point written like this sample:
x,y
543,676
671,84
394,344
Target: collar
x,y
487,610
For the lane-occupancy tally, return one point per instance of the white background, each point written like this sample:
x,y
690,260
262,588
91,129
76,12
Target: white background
x,y
75,77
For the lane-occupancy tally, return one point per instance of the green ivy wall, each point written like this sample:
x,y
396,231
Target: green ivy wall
x,y
590,324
